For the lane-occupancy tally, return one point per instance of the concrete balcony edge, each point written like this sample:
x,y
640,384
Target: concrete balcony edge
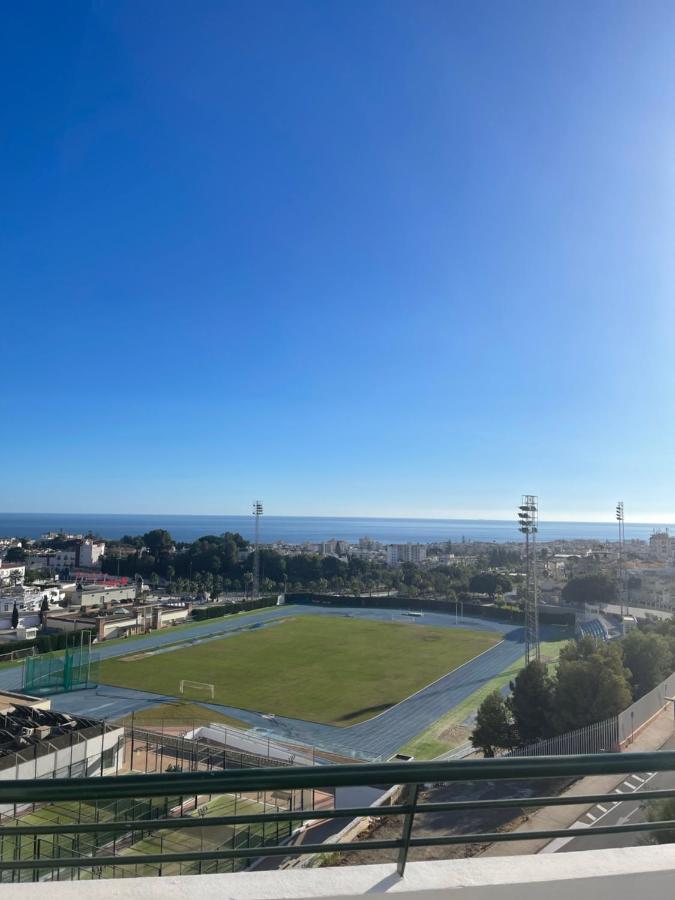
x,y
620,874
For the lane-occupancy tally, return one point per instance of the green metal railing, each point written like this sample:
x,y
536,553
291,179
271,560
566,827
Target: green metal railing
x,y
118,834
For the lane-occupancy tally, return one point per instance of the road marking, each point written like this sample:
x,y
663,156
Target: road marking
x,y
627,816
603,808
592,817
637,777
558,843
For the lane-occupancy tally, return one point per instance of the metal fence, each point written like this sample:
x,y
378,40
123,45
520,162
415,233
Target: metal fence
x,y
644,709
14,655
600,737
191,823
191,755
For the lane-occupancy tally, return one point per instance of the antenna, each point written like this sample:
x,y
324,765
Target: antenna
x,y
257,512
528,524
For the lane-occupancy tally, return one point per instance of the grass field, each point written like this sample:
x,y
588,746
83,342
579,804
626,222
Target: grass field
x,y
335,670
179,714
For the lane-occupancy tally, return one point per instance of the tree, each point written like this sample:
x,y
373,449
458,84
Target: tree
x,y
158,541
493,729
15,617
16,555
662,811
596,590
531,703
649,659
591,684
489,583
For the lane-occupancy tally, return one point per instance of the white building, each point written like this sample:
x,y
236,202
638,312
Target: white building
x,y
52,559
87,554
661,547
410,553
12,573
28,602
91,553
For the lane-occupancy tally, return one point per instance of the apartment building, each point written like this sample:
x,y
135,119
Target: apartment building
x,y
410,553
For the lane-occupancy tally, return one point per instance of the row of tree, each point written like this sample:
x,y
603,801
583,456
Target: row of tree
x,y
225,562
593,681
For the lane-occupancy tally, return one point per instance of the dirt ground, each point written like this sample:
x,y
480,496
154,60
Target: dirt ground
x,y
440,824
454,735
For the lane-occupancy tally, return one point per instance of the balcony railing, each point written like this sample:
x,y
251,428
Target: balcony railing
x,y
83,828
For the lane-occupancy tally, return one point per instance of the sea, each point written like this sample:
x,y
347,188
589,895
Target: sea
x,y
298,529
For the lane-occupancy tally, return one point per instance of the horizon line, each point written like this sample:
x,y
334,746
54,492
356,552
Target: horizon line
x,y
447,518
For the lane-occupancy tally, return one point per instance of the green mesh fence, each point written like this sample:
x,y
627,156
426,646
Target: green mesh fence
x,y
73,669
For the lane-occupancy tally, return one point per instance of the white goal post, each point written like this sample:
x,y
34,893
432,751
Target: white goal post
x,y
196,685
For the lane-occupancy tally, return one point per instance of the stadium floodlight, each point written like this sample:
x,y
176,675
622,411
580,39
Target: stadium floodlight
x,y
528,524
257,512
620,557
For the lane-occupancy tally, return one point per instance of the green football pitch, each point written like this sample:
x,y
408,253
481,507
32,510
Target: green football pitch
x,y
327,669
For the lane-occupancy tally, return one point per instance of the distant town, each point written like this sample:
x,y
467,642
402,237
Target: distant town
x,y
61,583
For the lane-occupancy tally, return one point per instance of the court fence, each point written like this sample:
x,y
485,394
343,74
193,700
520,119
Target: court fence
x,y
72,669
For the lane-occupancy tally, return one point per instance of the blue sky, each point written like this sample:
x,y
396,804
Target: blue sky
x,y
379,258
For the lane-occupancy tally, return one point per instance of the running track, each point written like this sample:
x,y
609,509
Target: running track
x,y
380,736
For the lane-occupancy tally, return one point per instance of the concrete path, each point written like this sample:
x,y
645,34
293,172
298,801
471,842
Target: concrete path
x,y
378,737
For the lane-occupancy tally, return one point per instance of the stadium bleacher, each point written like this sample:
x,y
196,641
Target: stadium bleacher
x,y
593,628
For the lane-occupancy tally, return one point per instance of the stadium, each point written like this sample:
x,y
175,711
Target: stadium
x,y
361,682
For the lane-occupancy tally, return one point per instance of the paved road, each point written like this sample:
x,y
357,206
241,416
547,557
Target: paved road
x,y
619,813
377,737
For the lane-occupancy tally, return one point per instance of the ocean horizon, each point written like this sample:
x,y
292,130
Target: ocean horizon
x,y
297,529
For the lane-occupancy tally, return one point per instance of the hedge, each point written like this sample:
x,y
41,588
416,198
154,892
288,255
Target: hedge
x,y
200,613
476,610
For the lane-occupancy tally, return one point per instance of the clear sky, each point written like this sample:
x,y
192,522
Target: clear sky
x,y
353,257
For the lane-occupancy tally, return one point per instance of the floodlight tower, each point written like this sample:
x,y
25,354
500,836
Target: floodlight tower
x,y
620,560
257,512
528,524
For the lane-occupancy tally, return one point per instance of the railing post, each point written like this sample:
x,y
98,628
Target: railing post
x,y
410,798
